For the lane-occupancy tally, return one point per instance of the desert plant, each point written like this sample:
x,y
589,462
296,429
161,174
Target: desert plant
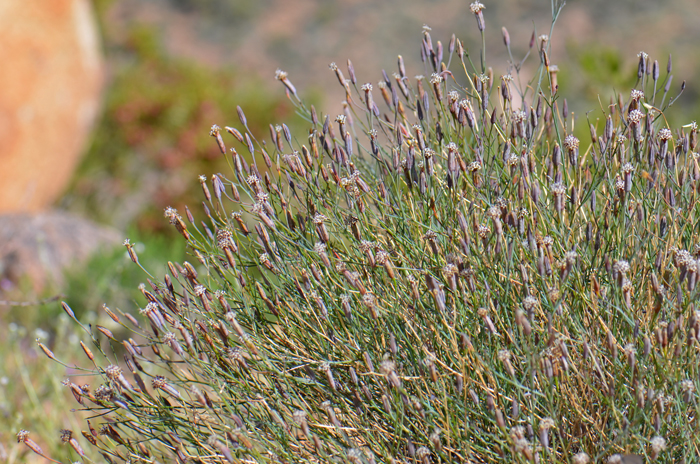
x,y
31,389
451,279
147,141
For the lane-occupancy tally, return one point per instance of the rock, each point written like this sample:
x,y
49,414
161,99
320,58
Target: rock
x,y
50,85
40,246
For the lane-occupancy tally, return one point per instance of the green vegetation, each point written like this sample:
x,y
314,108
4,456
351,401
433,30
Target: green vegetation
x,y
148,142
143,152
31,393
444,273
109,276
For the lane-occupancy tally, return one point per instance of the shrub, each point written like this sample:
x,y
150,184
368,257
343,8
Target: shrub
x,y
452,279
147,141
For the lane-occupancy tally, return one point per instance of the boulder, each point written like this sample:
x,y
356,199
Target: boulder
x,y
50,84
39,246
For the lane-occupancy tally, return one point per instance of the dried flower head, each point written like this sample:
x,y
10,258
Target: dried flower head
x,y
665,134
547,423
450,269
22,436
235,354
687,386
150,307
355,455
382,257
504,355
483,231
103,392
366,245
224,238
658,444
621,266
635,116
571,142
436,78
170,213
530,303
299,416
519,116
476,7
158,382
387,367
558,188
636,94
430,235
517,432
66,435
494,212
619,183
113,372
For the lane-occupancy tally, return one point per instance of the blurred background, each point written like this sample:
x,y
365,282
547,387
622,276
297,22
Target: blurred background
x,y
105,108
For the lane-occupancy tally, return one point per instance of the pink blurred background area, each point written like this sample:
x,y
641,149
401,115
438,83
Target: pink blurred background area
x,y
304,36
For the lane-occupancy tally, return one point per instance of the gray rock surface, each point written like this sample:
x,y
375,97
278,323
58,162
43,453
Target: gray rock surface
x,y
40,246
